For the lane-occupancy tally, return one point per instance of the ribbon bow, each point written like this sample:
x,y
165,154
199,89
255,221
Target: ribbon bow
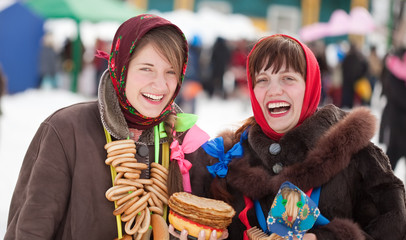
x,y
102,54
194,138
215,148
178,154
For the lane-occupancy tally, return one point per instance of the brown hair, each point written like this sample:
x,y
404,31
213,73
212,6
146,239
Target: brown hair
x,y
275,51
168,42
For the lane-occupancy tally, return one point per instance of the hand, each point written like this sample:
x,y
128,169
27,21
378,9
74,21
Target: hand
x,y
183,235
307,236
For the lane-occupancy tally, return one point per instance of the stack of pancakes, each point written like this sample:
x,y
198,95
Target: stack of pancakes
x,y
205,211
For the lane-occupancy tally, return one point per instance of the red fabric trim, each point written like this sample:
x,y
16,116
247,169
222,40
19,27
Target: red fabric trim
x,y
308,193
243,215
311,98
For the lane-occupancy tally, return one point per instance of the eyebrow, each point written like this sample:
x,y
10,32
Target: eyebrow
x,y
149,64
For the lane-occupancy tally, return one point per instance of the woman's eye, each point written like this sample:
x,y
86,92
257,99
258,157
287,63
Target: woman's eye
x,y
261,80
146,69
172,72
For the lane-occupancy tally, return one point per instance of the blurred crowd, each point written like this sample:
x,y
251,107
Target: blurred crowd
x,y
349,74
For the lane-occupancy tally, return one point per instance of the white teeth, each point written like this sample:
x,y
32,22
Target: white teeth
x,y
153,97
278,104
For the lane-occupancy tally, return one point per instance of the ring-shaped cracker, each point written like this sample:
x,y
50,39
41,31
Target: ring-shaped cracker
x,y
121,151
160,196
117,142
146,222
127,217
139,203
160,173
109,160
120,146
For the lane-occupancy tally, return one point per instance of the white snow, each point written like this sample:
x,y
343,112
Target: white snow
x,y
23,113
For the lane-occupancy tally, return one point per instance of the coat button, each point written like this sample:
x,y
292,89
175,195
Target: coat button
x,y
142,150
277,168
275,148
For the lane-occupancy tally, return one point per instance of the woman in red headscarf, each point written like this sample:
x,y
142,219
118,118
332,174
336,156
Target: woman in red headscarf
x,y
320,150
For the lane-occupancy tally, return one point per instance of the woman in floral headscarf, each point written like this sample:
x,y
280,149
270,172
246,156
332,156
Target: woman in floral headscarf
x,y
325,152
66,188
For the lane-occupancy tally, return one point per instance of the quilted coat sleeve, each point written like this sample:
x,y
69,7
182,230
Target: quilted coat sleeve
x,y
42,191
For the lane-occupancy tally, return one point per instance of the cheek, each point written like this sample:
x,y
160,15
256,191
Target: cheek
x,y
172,85
299,98
258,94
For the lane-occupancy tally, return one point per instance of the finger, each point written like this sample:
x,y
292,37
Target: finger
x,y
213,235
171,230
202,235
224,235
183,235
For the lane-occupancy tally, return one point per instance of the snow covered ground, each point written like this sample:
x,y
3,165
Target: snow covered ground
x,y
23,113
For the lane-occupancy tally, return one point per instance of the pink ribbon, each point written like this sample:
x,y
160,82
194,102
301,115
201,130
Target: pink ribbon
x,y
102,54
397,66
194,138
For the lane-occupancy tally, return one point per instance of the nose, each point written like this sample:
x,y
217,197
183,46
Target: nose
x,y
274,88
159,81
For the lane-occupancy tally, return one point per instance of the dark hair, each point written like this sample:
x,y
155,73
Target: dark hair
x,y
274,52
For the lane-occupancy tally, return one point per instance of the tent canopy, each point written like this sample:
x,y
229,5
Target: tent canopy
x,y
84,10
20,41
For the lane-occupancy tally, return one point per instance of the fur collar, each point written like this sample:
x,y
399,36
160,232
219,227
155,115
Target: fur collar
x,y
112,117
312,153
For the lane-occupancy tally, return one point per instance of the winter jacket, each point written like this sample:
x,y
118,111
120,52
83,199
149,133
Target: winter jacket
x,y
360,195
60,193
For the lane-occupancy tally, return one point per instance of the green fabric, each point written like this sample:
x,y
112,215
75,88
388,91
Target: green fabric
x,y
80,10
184,122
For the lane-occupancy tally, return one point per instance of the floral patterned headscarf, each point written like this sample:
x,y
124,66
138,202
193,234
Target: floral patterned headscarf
x,y
124,42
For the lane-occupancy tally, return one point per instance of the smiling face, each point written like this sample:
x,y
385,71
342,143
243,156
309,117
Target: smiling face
x,y
280,95
151,81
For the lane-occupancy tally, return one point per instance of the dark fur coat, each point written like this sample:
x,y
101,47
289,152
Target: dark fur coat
x,y
360,194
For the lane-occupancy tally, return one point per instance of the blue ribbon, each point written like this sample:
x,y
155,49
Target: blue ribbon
x,y
215,148
315,196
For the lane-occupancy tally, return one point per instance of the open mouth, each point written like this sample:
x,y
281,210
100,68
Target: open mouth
x,y
278,108
152,97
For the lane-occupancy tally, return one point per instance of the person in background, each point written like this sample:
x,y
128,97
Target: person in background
x,y
354,66
48,63
193,77
325,152
374,66
65,186
220,59
238,67
394,120
100,64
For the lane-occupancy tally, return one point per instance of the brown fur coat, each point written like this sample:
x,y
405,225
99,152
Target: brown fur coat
x,y
360,195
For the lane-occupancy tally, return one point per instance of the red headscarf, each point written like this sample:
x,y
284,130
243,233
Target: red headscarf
x,y
312,93
125,40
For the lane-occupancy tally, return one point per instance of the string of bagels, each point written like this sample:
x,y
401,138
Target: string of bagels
x,y
135,198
